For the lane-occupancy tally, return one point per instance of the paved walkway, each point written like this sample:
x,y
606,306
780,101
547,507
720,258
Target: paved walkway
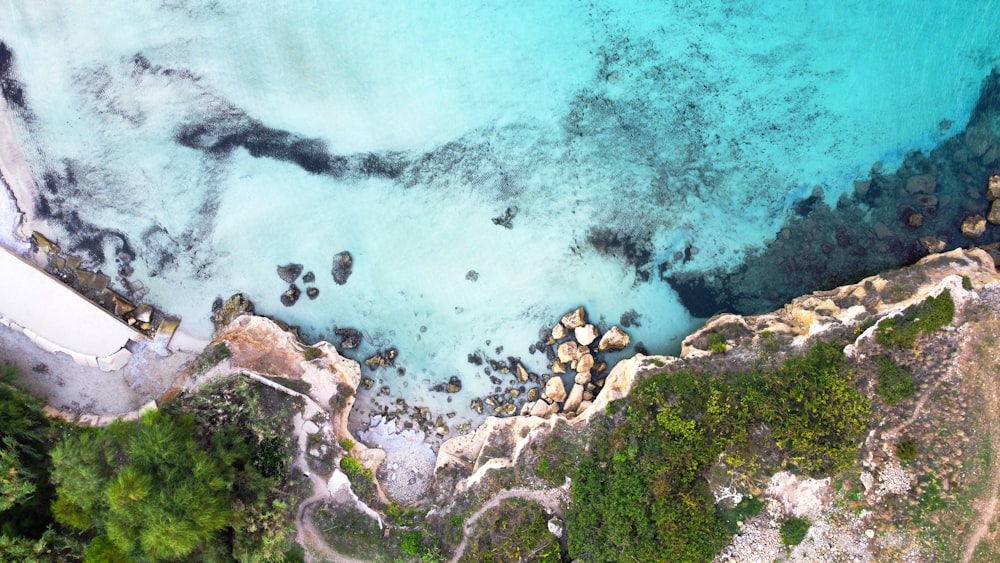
x,y
58,319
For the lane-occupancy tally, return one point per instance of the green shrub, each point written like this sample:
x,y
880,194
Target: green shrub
x,y
794,530
931,314
311,353
906,450
966,283
346,444
895,383
747,508
816,413
717,343
360,478
516,530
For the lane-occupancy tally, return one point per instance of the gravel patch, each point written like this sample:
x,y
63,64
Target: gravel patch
x,y
408,469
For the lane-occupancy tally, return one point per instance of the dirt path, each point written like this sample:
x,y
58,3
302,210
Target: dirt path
x,y
984,383
305,533
551,499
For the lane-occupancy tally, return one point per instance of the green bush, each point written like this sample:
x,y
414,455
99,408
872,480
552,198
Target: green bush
x,y
895,383
931,314
311,353
516,530
966,283
717,343
360,478
640,492
794,530
906,450
816,413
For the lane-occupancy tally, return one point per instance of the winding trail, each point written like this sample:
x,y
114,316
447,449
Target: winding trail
x,y
552,499
306,534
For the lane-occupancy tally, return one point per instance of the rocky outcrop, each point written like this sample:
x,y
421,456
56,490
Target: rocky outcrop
x,y
290,272
821,311
343,267
223,312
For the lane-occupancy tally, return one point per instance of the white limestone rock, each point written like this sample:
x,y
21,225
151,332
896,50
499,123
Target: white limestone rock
x,y
614,339
575,398
585,334
574,319
555,390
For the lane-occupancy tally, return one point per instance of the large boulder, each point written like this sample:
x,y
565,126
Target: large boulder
x,y
585,334
575,318
343,266
289,272
585,363
223,312
974,227
994,216
558,332
569,352
575,398
613,339
291,295
555,391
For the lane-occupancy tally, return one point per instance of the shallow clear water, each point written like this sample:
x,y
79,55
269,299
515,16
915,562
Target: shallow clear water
x,y
676,126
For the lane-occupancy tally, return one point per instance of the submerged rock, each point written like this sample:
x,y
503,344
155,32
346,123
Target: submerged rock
x,y
308,278
291,295
289,272
312,292
454,384
507,219
343,266
974,227
349,337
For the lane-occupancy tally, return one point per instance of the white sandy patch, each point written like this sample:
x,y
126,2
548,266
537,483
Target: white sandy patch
x,y
407,471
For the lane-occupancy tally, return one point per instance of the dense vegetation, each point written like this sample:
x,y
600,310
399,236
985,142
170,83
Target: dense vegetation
x,y
926,316
640,493
520,535
204,478
27,531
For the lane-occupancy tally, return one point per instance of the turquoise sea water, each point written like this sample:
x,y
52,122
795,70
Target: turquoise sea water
x,y
215,142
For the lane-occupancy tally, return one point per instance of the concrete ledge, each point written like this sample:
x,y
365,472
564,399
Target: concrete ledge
x,y
58,319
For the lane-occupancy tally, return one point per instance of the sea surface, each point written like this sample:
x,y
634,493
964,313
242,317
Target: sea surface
x,y
209,142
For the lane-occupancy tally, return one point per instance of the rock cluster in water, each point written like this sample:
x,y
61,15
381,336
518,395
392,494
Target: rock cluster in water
x,y
576,346
343,266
